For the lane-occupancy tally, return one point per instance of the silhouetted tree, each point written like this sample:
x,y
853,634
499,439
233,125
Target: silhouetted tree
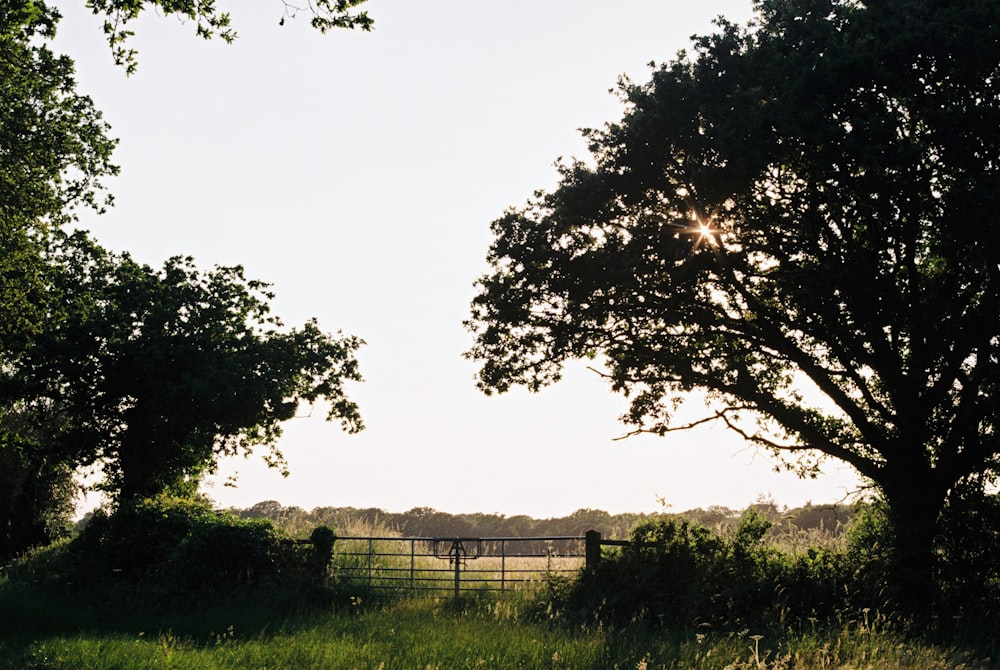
x,y
159,373
54,153
799,219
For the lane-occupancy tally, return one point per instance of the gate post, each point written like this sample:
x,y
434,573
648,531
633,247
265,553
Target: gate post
x,y
593,550
457,554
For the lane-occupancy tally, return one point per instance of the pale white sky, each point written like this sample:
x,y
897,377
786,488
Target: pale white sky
x,y
359,172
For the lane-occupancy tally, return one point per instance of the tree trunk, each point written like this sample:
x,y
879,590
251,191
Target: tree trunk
x,y
915,505
134,472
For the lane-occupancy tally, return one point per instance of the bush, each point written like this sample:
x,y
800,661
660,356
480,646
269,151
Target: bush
x,y
226,557
969,552
36,498
180,552
322,539
677,572
137,538
869,554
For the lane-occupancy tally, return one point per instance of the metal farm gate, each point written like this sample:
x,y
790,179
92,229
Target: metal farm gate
x,y
437,566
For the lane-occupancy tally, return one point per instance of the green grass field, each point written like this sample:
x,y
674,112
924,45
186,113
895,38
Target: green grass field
x,y
40,632
66,606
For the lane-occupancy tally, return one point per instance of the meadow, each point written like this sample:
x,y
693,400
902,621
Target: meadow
x,y
202,590
43,634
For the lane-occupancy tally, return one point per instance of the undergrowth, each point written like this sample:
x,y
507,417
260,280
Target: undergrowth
x,y
200,589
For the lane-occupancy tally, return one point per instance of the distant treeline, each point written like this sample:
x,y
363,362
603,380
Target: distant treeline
x,y
427,522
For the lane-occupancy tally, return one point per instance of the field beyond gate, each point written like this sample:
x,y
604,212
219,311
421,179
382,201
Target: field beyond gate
x,y
443,566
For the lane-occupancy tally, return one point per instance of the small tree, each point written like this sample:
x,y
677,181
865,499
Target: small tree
x,y
159,373
810,201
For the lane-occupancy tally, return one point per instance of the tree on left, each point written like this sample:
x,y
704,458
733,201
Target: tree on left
x,y
55,152
157,373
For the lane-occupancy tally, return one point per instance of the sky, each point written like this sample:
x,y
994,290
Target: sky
x,y
358,173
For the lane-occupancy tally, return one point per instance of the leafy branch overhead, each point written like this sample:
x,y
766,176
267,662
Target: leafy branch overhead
x,y
210,22
30,18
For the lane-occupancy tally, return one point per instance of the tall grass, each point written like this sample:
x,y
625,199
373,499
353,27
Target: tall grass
x,y
426,634
50,621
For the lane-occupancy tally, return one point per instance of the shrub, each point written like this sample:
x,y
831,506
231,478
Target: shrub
x,y
969,552
225,556
869,554
137,538
36,501
678,572
180,552
322,539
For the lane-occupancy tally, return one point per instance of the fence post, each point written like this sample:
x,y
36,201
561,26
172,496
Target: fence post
x,y
593,549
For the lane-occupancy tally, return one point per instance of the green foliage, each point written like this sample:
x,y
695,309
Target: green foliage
x,y
870,540
966,552
38,513
135,540
786,207
31,18
209,22
427,634
227,559
677,572
54,154
158,373
57,613
177,552
37,494
969,551
54,148
322,539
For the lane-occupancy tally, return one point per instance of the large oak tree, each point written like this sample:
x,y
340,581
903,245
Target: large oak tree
x,y
800,219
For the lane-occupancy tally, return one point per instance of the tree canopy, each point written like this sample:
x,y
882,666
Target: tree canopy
x,y
55,147
157,373
798,218
55,153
